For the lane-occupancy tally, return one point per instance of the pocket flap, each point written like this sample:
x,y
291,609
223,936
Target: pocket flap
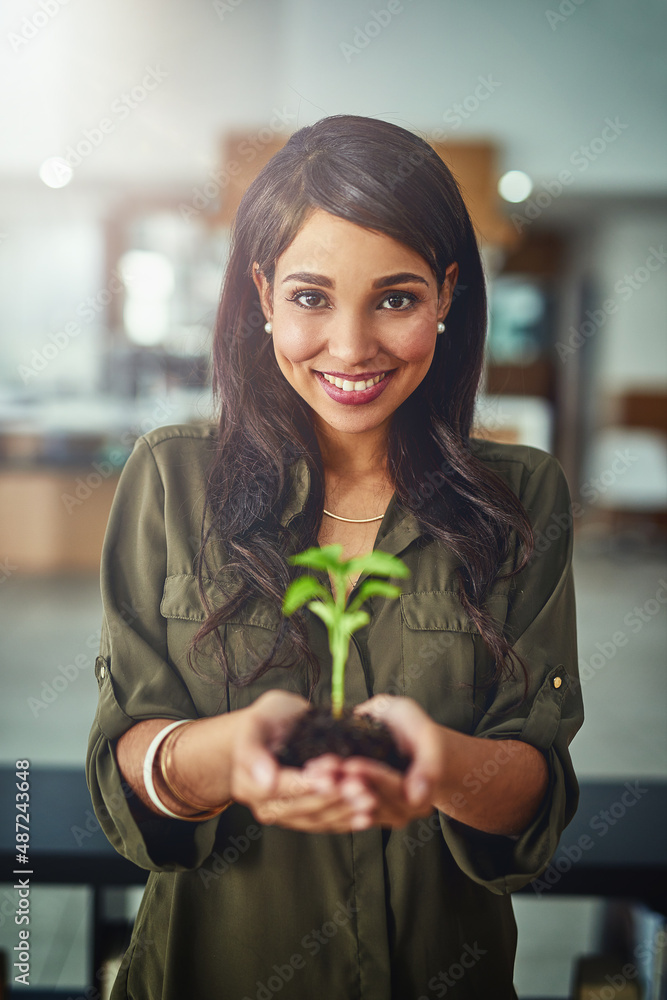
x,y
180,599
442,610
439,610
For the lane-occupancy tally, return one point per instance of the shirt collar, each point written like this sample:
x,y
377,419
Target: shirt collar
x,y
398,527
299,474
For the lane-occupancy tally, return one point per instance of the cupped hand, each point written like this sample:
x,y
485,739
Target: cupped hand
x,y
292,797
401,796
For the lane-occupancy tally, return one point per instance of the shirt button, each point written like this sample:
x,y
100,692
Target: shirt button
x,y
557,681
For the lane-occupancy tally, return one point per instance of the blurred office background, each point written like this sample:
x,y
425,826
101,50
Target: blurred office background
x,y
128,133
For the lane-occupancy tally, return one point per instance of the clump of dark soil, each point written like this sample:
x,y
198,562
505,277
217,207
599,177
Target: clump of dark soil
x,y
317,732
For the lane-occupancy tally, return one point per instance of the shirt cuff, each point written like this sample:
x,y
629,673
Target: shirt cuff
x,y
156,844
505,864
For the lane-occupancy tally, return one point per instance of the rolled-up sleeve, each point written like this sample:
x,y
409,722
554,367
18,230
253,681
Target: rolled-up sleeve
x,y
541,624
135,679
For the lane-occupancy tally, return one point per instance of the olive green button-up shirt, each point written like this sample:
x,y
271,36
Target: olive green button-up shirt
x,y
237,910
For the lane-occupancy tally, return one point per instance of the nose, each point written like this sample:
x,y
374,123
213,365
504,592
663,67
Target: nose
x,y
352,339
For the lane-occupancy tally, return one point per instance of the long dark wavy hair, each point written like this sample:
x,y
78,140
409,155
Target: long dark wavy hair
x,y
383,177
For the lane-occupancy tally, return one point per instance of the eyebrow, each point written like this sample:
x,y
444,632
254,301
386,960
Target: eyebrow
x,y
401,278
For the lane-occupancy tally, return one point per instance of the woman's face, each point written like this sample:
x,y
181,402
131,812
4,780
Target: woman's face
x,y
354,307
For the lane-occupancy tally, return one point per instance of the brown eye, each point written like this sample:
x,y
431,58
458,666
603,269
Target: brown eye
x,y
399,301
307,299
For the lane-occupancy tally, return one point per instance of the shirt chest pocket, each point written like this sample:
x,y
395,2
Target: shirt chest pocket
x,y
247,637
442,652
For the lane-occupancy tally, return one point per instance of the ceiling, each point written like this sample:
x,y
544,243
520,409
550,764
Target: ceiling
x,y
170,78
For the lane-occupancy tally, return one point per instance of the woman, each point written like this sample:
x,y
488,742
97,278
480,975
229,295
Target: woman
x,y
353,261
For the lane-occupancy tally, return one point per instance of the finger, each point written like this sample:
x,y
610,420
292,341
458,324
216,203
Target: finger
x,y
316,811
396,805
355,803
302,794
263,777
274,714
256,771
412,788
372,770
323,772
292,784
346,816
325,762
341,818
402,716
375,706
391,788
344,823
277,703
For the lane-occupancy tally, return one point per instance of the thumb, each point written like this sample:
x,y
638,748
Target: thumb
x,y
263,770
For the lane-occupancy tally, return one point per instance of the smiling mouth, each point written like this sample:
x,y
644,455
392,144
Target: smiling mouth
x,y
347,385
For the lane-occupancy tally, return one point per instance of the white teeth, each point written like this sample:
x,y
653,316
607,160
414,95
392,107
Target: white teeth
x,y
347,386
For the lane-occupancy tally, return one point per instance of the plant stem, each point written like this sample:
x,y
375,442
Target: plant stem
x,y
339,649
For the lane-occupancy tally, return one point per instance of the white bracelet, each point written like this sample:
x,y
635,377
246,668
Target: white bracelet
x,y
149,760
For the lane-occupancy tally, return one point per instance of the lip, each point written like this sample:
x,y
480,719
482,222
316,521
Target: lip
x,y
357,376
353,397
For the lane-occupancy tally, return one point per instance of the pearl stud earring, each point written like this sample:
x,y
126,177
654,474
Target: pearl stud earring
x,y
268,326
441,327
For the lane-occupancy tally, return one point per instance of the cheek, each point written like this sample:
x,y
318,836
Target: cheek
x,y
415,342
295,342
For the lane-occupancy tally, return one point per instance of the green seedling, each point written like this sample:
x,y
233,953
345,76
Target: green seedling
x,y
341,621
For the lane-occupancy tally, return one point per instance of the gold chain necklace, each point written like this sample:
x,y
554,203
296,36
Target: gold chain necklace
x,y
355,520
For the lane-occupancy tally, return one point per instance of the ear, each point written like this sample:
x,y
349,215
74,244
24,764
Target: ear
x,y
447,290
264,289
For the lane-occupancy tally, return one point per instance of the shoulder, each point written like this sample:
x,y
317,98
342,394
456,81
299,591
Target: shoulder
x,y
174,454
174,444
499,455
174,436
518,464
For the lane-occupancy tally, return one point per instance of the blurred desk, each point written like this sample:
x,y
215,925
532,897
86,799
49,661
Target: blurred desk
x,y
60,459
627,856
616,845
54,519
67,845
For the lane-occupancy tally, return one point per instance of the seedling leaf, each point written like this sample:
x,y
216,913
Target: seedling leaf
x,y
327,557
378,563
352,621
341,621
323,611
303,589
371,588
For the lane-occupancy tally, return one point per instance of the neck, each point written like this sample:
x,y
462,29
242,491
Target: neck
x,y
357,455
